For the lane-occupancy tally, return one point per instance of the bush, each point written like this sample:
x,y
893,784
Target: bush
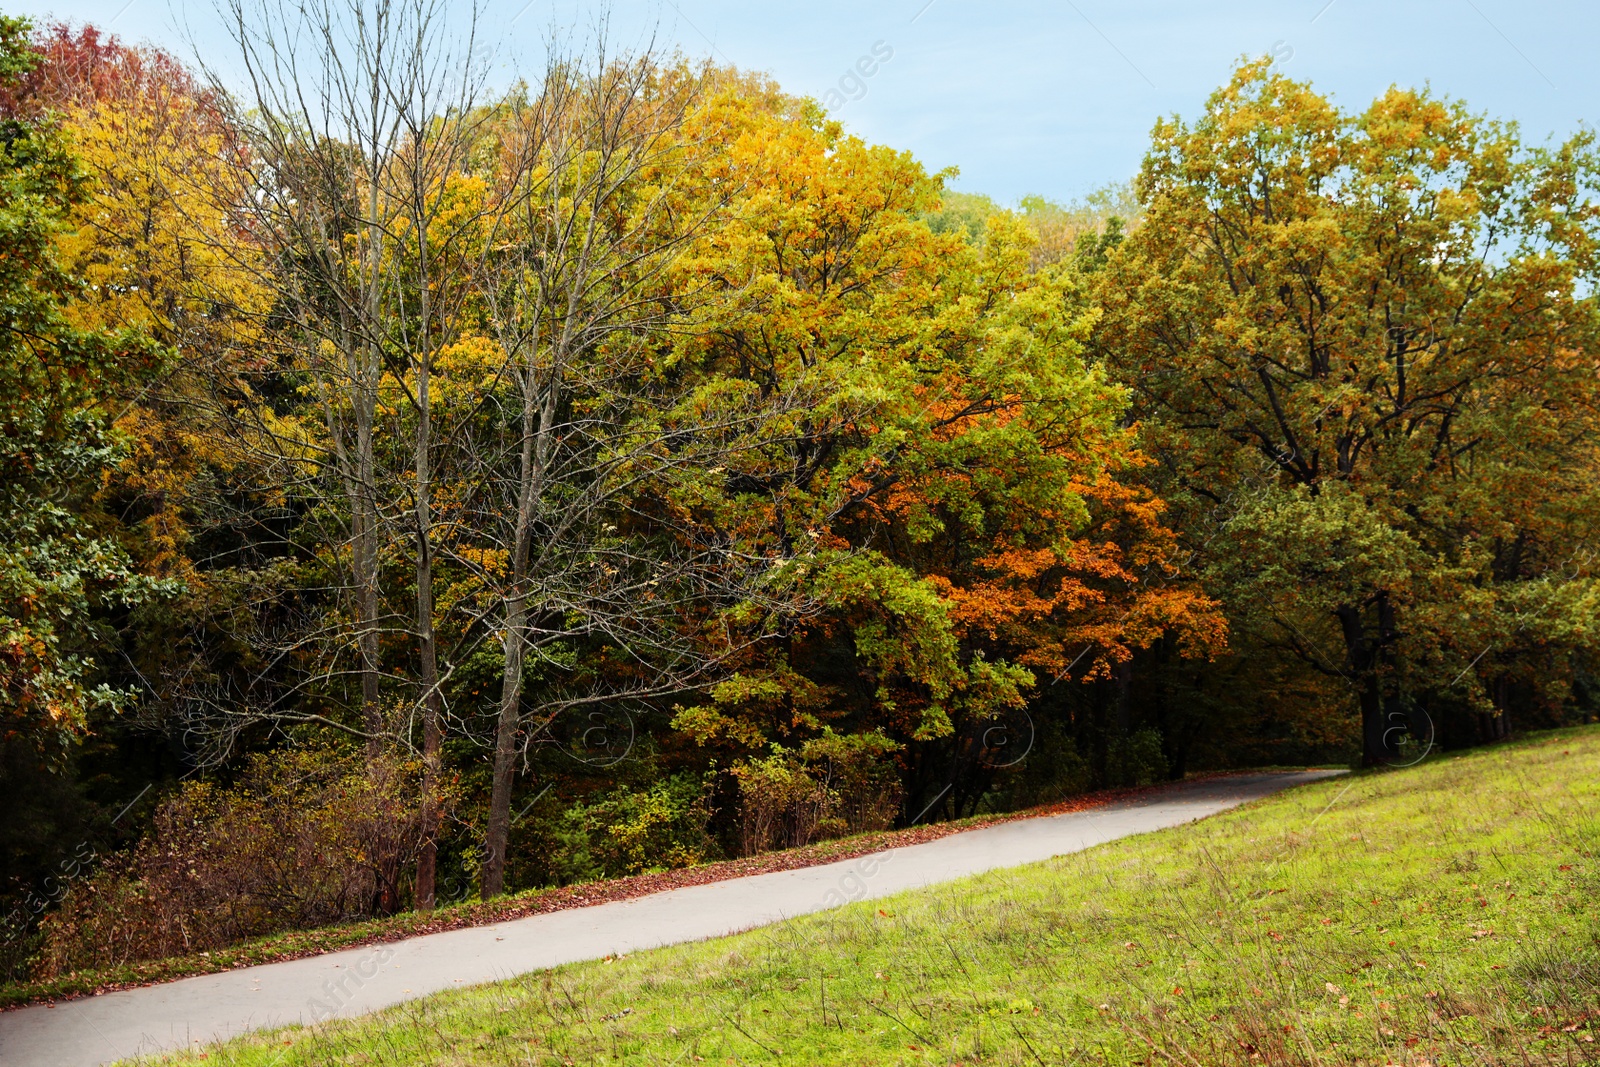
x,y
835,785
862,781
1052,770
19,942
626,832
306,838
780,805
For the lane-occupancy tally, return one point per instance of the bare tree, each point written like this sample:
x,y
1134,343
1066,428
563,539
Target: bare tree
x,y
401,213
359,114
614,189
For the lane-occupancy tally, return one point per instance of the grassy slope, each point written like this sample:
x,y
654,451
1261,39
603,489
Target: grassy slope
x,y
1445,914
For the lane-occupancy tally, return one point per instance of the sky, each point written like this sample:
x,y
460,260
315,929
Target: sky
x,y
1033,97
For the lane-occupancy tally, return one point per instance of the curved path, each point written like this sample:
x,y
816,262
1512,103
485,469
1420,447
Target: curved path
x,y
113,1026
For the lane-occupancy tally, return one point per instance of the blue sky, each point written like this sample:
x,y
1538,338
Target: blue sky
x,y
1055,98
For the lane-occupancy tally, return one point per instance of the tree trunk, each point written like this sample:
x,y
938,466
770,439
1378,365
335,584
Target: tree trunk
x,y
1496,726
365,556
1374,730
432,698
531,466
1369,657
1099,735
367,377
498,836
1123,701
364,559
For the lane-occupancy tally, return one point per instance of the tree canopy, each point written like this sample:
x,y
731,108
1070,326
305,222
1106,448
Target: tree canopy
x,y
1363,345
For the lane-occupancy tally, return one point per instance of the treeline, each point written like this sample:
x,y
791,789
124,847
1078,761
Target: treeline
x,y
412,491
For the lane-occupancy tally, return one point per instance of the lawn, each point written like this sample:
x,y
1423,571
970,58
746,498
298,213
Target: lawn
x,y
1444,914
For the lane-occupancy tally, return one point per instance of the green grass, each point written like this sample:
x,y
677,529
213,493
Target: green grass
x,y
1446,914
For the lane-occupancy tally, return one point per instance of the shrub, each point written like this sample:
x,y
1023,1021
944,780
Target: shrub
x,y
780,805
19,942
306,838
627,832
1052,770
833,786
862,781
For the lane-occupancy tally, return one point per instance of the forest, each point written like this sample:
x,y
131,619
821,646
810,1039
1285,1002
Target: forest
x,y
414,489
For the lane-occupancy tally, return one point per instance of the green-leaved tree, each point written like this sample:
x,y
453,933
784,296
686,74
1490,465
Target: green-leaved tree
x,y
1364,346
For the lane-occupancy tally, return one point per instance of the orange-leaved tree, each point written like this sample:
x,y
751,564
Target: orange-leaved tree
x,y
948,485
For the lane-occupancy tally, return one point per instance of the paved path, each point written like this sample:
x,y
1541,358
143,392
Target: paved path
x,y
97,1030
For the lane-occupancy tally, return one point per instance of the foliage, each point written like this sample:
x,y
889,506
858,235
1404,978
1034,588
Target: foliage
x,y
57,571
1136,758
1078,232
625,832
832,786
952,489
1363,347
638,449
307,837
155,243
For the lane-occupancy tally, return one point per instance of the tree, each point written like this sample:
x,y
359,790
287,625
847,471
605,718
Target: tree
x,y
1364,350
591,477
360,189
57,571
157,248
946,482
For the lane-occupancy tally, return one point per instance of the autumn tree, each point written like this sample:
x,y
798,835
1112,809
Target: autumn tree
x,y
360,120
58,383
617,171
944,483
157,248
1363,347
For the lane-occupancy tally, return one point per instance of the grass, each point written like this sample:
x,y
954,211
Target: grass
x,y
1445,914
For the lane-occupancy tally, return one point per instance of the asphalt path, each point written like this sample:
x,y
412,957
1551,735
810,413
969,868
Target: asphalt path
x,y
138,1022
